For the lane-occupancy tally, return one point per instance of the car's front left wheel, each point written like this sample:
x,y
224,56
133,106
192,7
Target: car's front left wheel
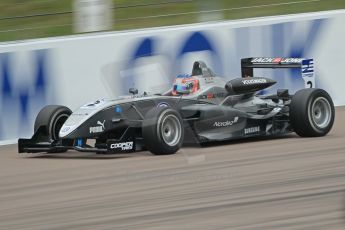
x,y
52,117
163,131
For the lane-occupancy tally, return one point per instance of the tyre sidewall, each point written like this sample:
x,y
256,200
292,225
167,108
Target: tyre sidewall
x,y
301,109
314,96
152,131
49,116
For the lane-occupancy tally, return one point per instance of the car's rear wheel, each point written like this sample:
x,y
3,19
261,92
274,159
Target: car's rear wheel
x,y
163,131
311,112
52,117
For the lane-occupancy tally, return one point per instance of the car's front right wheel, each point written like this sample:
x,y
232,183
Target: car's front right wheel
x,y
163,131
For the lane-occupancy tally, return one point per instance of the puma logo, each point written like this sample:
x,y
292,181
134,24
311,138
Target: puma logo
x,y
101,124
98,129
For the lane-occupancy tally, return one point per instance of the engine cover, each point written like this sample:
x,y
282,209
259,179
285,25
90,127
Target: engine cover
x,y
248,85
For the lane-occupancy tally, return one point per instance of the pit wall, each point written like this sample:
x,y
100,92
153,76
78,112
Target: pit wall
x,y
78,69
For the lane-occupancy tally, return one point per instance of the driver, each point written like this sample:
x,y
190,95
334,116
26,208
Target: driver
x,y
185,84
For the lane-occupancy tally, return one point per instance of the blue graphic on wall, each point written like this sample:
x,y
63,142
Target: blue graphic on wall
x,y
23,91
196,42
145,48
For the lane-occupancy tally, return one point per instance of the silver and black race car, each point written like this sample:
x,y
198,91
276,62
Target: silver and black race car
x,y
201,107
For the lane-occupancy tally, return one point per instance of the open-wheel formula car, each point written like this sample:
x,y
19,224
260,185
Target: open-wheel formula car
x,y
200,107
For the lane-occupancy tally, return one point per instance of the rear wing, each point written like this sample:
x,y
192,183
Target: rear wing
x,y
306,67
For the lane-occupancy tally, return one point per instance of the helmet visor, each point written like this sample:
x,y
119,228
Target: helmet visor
x,y
186,86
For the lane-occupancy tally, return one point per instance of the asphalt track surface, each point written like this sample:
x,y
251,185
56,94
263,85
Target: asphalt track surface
x,y
282,183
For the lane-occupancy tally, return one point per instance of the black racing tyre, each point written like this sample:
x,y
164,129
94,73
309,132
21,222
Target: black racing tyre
x,y
163,131
52,117
311,112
